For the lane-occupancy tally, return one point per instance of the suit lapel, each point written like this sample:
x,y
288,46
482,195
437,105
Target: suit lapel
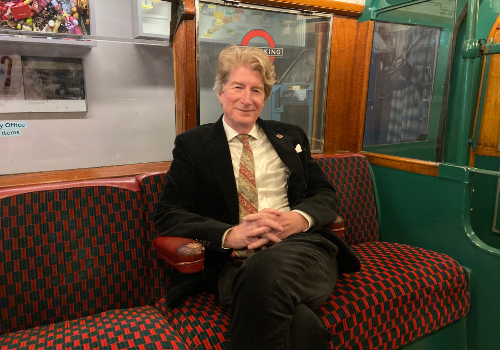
x,y
283,146
220,157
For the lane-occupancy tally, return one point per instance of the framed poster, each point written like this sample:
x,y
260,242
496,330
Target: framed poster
x,y
42,84
11,77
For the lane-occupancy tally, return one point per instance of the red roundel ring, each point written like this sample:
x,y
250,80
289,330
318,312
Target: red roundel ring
x,y
262,33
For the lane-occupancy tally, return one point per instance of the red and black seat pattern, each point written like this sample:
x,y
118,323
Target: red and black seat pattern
x,y
151,189
137,328
201,321
68,253
401,294
350,176
78,255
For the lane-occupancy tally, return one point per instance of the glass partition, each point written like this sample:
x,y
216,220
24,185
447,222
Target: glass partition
x,y
71,101
403,64
409,74
299,46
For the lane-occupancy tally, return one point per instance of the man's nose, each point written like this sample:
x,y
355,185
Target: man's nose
x,y
246,97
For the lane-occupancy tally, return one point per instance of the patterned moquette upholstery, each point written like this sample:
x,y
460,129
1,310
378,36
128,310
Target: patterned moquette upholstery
x,y
137,328
201,321
68,253
401,294
151,189
350,176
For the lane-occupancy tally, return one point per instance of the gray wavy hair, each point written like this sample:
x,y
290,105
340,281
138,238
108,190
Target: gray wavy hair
x,y
252,57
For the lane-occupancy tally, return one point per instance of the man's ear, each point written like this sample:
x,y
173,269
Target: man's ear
x,y
219,95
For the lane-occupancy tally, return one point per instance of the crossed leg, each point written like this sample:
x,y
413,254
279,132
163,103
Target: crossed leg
x,y
274,291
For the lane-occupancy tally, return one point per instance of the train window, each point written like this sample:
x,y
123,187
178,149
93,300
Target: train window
x,y
403,63
409,66
70,101
299,46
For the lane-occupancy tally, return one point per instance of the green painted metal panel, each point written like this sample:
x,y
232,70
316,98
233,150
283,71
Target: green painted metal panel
x,y
488,13
423,14
452,172
483,200
375,7
434,213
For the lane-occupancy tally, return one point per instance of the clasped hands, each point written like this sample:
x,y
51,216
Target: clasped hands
x,y
268,225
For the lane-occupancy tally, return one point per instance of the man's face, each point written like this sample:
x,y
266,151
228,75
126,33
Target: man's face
x,y
242,99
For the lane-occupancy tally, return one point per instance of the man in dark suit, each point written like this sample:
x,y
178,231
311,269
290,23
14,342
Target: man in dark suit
x,y
249,190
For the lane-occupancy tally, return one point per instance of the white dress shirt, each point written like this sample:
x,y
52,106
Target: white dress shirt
x,y
270,171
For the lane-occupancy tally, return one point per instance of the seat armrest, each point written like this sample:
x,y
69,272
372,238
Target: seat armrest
x,y
183,254
338,227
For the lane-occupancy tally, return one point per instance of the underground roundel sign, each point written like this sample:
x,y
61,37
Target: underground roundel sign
x,y
272,51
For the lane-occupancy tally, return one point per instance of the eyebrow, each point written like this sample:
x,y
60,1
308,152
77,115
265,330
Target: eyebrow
x,y
253,87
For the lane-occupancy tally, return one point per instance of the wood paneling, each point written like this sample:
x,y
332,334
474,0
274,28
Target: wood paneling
x,y
490,123
344,33
348,85
185,72
81,174
360,84
405,164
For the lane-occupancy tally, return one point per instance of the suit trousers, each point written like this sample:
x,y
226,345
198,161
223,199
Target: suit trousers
x,y
272,294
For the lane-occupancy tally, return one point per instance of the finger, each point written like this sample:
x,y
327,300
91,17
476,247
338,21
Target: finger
x,y
263,228
260,216
271,211
257,232
272,237
273,225
258,243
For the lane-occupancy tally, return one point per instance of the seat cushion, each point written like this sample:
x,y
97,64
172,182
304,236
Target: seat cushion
x,y
201,321
401,294
139,328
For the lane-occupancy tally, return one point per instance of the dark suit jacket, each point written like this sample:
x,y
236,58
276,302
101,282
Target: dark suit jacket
x,y
200,199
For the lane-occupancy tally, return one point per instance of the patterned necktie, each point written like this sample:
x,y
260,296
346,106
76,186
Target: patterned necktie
x,y
247,190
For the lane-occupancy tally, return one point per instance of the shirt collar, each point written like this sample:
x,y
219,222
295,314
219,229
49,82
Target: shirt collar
x,y
231,133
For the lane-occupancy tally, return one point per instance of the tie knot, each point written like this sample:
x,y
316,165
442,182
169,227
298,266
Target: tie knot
x,y
243,138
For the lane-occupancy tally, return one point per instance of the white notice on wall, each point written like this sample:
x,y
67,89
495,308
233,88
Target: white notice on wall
x,y
8,129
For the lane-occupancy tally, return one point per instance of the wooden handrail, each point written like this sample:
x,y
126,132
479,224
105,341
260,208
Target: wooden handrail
x,y
46,177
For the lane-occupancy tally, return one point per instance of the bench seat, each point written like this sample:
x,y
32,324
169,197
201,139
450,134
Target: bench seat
x,y
78,270
401,294
138,328
74,269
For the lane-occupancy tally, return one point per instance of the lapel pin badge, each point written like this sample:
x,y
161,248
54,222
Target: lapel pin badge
x,y
298,149
279,136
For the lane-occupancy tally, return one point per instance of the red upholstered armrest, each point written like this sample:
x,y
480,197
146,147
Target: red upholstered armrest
x,y
183,254
338,227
